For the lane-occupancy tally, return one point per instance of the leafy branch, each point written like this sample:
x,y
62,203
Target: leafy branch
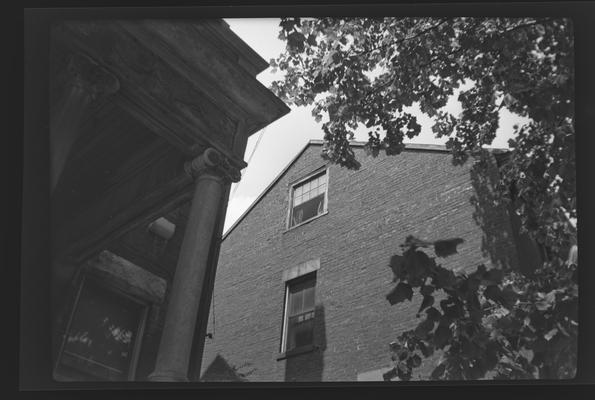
x,y
489,322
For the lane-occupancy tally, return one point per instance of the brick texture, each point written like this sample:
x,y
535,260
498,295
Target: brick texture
x,y
370,212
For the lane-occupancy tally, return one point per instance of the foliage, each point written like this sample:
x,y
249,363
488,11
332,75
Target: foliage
x,y
486,322
525,65
358,72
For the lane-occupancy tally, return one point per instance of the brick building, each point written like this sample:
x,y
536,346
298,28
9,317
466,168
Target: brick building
x,y
300,288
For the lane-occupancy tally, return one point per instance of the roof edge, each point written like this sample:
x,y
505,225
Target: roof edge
x,y
256,61
319,142
265,191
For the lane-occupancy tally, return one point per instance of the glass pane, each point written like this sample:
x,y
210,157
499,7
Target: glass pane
x,y
299,190
311,207
101,335
308,301
300,333
306,186
296,216
306,196
295,302
298,200
319,180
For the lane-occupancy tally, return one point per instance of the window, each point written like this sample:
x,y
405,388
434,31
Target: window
x,y
102,338
298,326
308,198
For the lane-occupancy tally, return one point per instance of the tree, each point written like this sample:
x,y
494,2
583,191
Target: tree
x,y
358,72
488,323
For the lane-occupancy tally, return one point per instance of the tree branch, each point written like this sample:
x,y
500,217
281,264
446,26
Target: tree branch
x,y
397,42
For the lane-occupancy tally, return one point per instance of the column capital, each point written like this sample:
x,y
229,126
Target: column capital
x,y
92,78
212,162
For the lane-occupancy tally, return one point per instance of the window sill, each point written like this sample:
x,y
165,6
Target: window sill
x,y
305,222
298,350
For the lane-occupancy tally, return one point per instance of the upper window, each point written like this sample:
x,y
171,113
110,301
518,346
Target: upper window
x,y
308,198
102,340
299,313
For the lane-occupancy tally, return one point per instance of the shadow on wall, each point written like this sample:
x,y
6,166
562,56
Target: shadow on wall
x,y
491,215
308,367
221,371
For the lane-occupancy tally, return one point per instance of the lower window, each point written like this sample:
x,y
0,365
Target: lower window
x,y
298,323
103,335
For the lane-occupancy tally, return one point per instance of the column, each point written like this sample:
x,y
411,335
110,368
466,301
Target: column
x,y
211,172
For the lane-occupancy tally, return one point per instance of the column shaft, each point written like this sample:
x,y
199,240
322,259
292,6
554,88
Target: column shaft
x,y
176,341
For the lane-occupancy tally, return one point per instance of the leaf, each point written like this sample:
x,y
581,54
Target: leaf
x,y
426,290
418,263
548,336
442,336
493,277
403,371
426,348
295,41
390,374
492,292
416,361
438,372
426,302
433,314
412,241
447,247
546,301
288,23
424,328
444,278
526,353
400,293
396,264
508,297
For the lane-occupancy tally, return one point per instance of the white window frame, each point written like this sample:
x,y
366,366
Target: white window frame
x,y
292,186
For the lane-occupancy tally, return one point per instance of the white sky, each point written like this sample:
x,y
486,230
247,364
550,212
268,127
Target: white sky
x,y
282,139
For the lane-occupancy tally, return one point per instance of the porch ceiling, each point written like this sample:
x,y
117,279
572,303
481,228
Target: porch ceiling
x,y
182,88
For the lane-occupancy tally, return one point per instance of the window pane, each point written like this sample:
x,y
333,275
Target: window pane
x,y
300,319
296,300
310,208
102,333
308,199
316,182
300,333
321,189
308,301
306,186
297,216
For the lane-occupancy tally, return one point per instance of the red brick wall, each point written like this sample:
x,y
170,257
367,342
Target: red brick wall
x,y
370,212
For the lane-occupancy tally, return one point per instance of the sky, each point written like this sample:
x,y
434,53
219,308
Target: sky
x,y
284,138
